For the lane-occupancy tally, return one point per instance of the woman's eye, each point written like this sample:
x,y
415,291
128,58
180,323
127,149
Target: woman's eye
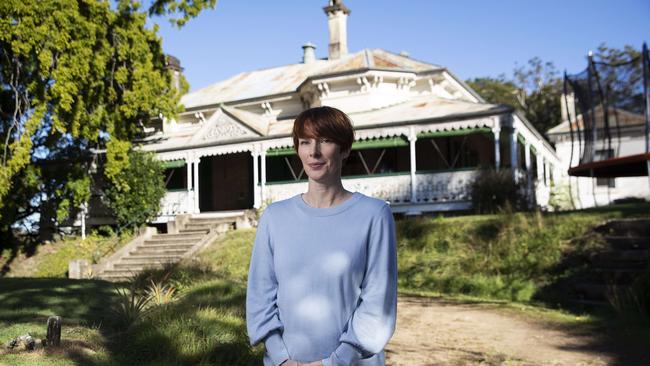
x,y
304,142
325,141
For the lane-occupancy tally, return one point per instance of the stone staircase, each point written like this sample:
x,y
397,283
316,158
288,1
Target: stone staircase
x,y
186,235
614,269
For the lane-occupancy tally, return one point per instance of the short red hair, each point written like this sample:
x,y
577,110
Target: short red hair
x,y
324,122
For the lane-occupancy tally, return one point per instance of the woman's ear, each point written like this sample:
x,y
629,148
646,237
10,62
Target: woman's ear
x,y
345,153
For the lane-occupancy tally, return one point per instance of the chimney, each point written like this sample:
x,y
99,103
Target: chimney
x,y
308,55
337,19
570,109
173,64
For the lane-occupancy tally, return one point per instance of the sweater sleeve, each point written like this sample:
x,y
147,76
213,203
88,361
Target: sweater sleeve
x,y
373,321
262,317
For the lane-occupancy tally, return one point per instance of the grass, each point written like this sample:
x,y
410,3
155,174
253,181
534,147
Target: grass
x,y
488,260
511,256
204,324
28,302
51,259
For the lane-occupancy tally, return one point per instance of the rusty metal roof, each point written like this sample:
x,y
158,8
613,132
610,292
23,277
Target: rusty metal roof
x,y
422,109
624,118
286,79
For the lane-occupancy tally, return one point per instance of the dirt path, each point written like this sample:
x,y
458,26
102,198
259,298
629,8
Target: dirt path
x,y
439,332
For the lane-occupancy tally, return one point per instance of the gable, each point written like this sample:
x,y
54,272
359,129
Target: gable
x,y
221,127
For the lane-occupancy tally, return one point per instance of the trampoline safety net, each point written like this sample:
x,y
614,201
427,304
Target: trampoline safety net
x,y
609,100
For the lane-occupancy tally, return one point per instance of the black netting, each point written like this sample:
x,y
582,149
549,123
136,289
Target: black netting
x,y
608,99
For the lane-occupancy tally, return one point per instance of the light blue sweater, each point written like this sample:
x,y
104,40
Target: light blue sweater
x,y
322,283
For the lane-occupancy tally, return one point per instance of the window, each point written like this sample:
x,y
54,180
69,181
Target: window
x,y
603,154
176,178
606,182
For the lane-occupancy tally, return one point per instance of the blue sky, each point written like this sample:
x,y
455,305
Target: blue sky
x,y
471,38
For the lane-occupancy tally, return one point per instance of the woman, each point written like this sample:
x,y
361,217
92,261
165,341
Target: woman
x,y
322,284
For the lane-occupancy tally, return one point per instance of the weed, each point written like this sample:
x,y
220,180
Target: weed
x,y
130,307
159,293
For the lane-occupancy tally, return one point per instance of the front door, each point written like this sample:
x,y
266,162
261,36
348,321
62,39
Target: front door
x,y
226,182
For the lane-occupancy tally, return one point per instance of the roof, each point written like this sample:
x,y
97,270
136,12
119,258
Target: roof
x,y
424,109
286,79
625,119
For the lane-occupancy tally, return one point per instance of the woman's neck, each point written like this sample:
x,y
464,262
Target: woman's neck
x,y
325,195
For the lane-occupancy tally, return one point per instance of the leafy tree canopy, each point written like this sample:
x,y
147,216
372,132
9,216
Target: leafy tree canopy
x,y
536,87
76,77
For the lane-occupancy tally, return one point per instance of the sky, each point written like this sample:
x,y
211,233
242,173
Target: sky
x,y
472,38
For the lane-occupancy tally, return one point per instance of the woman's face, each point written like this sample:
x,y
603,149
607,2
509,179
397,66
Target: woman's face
x,y
321,158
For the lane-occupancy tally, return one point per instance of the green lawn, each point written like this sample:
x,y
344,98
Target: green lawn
x,y
204,324
499,257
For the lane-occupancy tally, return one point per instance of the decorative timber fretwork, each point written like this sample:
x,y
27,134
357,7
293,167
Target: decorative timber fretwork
x,y
221,127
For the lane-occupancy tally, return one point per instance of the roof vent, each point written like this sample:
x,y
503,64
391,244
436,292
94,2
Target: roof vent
x,y
308,54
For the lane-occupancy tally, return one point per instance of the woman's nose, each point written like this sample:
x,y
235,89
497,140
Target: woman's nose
x,y
315,149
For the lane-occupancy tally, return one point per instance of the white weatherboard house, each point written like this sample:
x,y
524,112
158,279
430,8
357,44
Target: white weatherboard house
x,y
421,133
629,140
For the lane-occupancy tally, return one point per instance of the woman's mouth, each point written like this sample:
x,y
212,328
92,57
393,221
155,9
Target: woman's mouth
x,y
316,166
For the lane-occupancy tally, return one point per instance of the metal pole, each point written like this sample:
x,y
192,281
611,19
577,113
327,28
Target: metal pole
x,y
645,63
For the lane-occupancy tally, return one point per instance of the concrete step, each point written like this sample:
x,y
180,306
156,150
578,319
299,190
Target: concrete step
x,y
601,264
188,234
137,268
122,273
631,228
638,255
185,246
201,226
159,257
628,243
212,220
193,231
158,251
173,241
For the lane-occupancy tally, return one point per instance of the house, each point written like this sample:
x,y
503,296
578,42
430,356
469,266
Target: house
x,y
619,163
421,133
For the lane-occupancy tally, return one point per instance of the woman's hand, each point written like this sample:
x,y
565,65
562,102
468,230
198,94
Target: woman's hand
x,y
315,363
290,363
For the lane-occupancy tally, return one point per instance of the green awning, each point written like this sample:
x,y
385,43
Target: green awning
x,y
380,143
171,164
281,151
461,132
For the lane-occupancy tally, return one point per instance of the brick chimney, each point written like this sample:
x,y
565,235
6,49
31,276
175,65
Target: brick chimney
x,y
173,64
337,20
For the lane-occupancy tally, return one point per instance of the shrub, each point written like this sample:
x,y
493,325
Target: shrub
x,y
493,191
135,192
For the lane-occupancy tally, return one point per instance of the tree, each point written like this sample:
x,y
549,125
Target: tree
x,y
135,199
535,89
77,76
496,90
621,75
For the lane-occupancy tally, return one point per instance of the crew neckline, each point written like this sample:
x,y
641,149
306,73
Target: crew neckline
x,y
326,211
